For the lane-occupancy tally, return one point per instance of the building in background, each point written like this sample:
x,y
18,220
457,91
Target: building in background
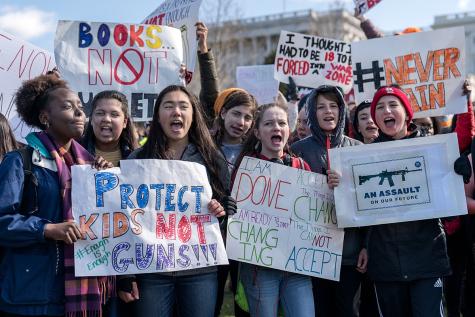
x,y
253,41
466,20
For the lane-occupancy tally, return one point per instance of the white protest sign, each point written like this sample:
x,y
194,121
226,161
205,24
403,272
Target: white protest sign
x,y
286,220
429,66
137,60
362,6
183,15
313,61
19,61
136,221
259,81
398,181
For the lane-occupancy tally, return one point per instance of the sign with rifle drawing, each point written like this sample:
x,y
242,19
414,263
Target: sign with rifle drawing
x,y
398,181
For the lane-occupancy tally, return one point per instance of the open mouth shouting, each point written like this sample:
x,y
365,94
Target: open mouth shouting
x,y
389,122
106,130
176,125
276,140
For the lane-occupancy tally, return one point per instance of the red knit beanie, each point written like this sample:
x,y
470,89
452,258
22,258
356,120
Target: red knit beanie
x,y
384,91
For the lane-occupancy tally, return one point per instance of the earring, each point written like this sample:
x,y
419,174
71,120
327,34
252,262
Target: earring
x,y
258,144
46,124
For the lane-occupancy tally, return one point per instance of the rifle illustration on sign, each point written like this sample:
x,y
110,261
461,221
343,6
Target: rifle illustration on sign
x,y
387,175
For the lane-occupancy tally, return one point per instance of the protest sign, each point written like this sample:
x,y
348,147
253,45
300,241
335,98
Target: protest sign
x,y
429,66
135,221
137,60
286,220
182,15
258,80
398,181
362,6
313,61
19,61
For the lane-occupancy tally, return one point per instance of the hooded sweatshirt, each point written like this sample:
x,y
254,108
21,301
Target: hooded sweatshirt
x,y
314,151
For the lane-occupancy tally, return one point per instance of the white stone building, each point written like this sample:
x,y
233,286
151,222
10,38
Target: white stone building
x,y
250,41
466,20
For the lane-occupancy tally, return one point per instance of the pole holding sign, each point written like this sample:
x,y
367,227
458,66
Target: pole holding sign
x,y
429,66
313,61
19,61
286,220
398,181
137,60
135,221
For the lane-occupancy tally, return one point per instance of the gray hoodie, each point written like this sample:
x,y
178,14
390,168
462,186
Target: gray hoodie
x,y
313,150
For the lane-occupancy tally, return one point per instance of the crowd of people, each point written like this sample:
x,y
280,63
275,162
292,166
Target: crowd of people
x,y
417,268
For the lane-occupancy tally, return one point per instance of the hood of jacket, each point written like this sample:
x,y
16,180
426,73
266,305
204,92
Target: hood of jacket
x,y
311,109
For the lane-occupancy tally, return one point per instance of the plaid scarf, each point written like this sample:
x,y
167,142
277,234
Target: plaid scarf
x,y
84,295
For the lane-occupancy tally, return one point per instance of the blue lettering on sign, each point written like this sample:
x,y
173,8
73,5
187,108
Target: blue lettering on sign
x,y
104,182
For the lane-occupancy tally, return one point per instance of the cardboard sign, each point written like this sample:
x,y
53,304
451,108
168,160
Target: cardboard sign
x,y
313,61
286,220
137,60
429,66
259,81
363,6
136,221
19,61
182,15
398,181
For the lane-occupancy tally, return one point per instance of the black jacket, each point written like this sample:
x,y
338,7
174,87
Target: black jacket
x,y
407,251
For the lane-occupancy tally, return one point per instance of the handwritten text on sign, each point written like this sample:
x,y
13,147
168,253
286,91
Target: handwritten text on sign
x,y
398,181
138,60
19,61
183,15
135,221
312,61
286,220
429,66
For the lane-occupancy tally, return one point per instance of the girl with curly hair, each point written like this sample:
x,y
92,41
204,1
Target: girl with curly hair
x,y
37,270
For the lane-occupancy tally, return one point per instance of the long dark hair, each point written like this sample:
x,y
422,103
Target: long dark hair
x,y
128,136
252,146
7,138
157,143
237,98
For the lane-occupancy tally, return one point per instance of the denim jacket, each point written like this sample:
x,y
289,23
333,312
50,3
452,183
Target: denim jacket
x,y
31,270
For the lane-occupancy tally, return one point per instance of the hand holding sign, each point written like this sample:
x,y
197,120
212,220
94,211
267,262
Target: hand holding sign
x,y
134,221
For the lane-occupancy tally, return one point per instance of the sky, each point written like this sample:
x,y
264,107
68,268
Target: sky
x,y
35,20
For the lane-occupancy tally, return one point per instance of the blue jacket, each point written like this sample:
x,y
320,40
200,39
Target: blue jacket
x,y
32,268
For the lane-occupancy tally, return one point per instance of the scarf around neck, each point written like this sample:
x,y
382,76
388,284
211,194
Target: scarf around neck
x,y
84,295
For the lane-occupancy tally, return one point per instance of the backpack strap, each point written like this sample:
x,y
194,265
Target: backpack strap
x,y
29,198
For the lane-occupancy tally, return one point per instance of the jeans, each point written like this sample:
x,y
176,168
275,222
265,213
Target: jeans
x,y
265,287
194,295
